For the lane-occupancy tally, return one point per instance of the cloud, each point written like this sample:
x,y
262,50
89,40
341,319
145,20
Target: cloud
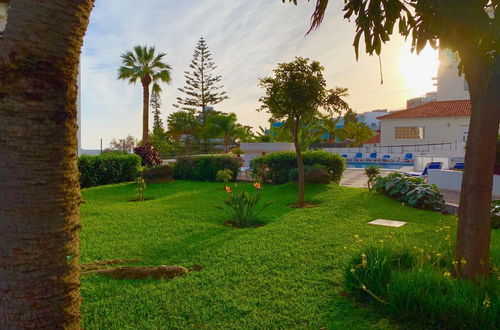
x,y
247,40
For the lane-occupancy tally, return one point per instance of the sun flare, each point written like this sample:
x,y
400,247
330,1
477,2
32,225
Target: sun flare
x,y
418,70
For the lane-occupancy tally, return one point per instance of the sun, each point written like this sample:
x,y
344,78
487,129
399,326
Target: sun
x,y
417,71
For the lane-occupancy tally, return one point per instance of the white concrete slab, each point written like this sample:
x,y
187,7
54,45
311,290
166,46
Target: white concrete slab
x,y
387,223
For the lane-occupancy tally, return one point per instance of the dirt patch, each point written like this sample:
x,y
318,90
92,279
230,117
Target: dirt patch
x,y
139,200
235,225
303,206
100,263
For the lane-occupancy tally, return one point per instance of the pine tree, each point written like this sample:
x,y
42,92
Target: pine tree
x,y
202,86
156,105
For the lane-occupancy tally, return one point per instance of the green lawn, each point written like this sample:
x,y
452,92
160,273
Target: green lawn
x,y
286,274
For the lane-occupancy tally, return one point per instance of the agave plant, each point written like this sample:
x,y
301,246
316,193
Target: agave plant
x,y
243,207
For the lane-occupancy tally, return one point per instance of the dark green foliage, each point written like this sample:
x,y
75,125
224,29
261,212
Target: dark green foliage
x,y
368,273
279,165
426,296
107,168
149,155
312,174
243,207
157,174
399,283
205,168
412,191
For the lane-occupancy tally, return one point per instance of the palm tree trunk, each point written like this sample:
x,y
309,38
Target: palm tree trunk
x,y
145,112
187,142
300,163
39,214
474,224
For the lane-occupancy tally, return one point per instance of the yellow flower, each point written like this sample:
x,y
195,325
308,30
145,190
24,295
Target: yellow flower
x,y
228,190
353,270
381,241
257,186
463,261
438,254
447,274
486,302
356,236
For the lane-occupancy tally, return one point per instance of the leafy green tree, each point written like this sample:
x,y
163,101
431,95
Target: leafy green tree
x,y
469,29
183,124
143,64
224,126
295,94
202,86
356,133
350,117
155,103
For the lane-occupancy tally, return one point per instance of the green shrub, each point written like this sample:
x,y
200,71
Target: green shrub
x,y
224,176
205,168
312,174
412,191
372,171
158,174
107,168
243,207
275,167
400,284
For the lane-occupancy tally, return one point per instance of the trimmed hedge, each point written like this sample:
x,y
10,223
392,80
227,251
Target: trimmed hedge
x,y
205,168
107,168
275,167
158,174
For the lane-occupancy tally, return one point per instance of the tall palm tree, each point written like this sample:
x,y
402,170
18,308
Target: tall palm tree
x,y
142,63
39,216
183,123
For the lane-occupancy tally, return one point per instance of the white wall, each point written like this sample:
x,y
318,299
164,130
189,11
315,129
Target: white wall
x,y
437,130
3,15
452,180
450,86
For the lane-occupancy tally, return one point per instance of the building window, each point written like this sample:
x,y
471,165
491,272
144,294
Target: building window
x,y
415,133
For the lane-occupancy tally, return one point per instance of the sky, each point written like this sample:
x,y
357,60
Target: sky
x,y
247,39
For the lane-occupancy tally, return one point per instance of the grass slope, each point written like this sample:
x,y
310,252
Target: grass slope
x,y
286,274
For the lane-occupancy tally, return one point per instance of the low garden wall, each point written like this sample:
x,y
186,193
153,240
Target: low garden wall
x,y
452,180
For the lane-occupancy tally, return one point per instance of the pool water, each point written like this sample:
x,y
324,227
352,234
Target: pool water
x,y
388,166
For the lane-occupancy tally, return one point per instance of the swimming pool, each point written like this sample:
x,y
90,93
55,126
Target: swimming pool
x,y
387,166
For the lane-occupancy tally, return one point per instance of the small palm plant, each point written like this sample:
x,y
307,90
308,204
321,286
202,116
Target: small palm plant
x,y
224,176
244,207
141,186
372,172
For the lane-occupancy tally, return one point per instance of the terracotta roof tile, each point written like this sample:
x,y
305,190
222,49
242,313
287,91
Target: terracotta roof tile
x,y
460,108
375,139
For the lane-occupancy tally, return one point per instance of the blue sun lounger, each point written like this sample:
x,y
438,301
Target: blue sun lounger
x,y
408,157
359,156
386,158
429,166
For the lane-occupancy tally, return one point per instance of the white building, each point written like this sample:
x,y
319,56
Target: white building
x,y
450,86
253,150
431,123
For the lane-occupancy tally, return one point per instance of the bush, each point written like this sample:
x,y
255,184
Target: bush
x,y
243,207
412,191
149,155
158,174
312,174
419,288
372,172
107,168
224,176
205,168
275,167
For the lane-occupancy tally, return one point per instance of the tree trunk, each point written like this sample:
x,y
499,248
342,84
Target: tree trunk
x,y
186,144
300,163
40,194
474,224
145,110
